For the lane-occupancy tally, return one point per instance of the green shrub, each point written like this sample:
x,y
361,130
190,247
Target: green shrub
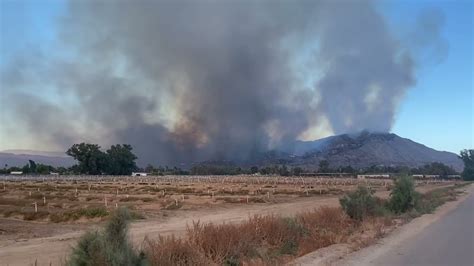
x,y
359,204
77,214
403,195
108,247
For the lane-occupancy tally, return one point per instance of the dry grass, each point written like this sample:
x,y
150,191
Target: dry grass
x,y
259,240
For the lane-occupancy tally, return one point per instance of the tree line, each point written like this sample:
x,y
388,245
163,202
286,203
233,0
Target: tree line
x,y
119,159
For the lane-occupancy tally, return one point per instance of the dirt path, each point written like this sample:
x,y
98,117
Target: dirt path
x,y
53,250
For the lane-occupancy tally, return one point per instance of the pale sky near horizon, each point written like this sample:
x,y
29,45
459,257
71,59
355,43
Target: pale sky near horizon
x,y
437,112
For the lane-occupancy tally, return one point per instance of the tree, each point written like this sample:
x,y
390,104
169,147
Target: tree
x,y
121,160
91,159
323,166
467,156
297,171
32,166
253,169
283,171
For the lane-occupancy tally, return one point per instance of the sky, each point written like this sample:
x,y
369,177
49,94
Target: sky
x,y
437,111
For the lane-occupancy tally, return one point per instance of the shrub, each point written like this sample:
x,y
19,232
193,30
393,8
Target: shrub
x,y
359,204
169,251
403,195
108,247
76,214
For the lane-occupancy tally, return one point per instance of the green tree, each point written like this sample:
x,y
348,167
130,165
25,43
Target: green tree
x,y
283,171
297,171
44,169
32,166
323,166
91,159
121,160
467,156
253,169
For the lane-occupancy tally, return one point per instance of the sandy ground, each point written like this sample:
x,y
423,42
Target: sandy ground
x,y
52,250
405,245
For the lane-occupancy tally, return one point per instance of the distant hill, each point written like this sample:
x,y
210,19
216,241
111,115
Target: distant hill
x,y
21,157
364,150
357,150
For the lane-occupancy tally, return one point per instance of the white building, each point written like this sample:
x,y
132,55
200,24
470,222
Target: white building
x,y
16,172
139,174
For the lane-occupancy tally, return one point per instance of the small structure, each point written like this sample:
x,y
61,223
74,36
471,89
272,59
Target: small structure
x,y
139,174
374,176
432,176
454,177
54,173
16,172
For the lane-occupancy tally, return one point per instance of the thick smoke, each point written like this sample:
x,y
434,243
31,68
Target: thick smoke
x,y
195,80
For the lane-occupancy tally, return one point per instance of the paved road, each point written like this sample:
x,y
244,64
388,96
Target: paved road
x,y
448,241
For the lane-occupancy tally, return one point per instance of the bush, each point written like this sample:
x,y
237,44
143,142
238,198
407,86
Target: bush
x,y
108,247
359,204
168,251
403,195
77,214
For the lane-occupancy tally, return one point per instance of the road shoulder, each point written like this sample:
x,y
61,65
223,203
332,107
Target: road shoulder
x,y
344,254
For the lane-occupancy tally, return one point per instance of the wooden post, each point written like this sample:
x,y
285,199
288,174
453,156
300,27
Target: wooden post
x,y
44,200
36,207
105,201
247,199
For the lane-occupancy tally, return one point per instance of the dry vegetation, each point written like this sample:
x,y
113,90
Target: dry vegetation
x,y
63,199
261,240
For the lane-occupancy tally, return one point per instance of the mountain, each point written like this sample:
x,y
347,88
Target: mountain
x,y
20,158
363,150
359,150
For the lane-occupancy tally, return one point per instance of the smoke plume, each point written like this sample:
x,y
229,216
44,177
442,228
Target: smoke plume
x,y
190,80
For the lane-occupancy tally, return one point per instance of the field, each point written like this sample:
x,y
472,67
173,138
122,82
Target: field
x,y
49,213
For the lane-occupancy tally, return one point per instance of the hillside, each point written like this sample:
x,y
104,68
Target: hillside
x,y
367,149
20,158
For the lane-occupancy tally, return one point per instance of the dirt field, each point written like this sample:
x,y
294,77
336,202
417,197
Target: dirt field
x,y
67,206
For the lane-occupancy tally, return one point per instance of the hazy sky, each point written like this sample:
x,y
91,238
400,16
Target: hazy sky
x,y
437,111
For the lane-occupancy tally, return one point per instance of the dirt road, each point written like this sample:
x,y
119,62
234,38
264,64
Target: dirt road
x,y
53,249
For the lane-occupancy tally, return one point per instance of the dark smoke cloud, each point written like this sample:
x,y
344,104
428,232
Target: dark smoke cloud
x,y
188,81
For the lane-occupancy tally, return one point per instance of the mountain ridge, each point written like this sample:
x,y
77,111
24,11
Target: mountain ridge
x,y
358,150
